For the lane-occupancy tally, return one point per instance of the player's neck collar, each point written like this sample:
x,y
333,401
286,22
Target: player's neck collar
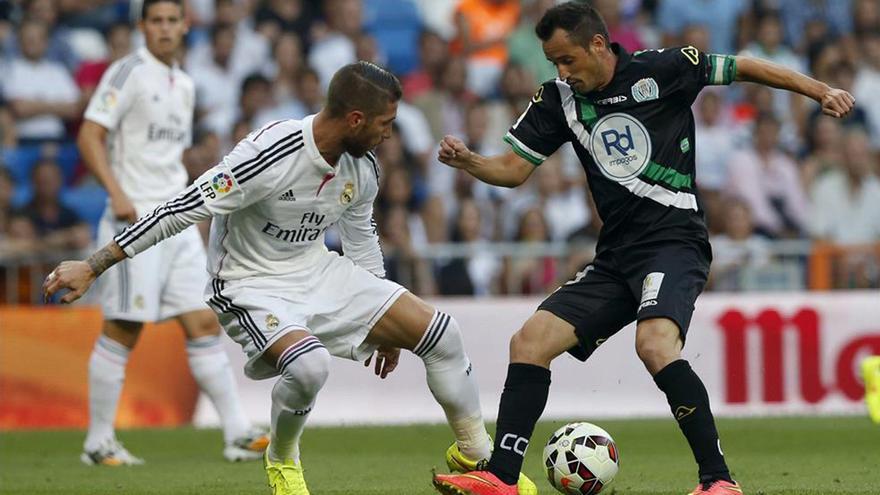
x,y
623,57
146,54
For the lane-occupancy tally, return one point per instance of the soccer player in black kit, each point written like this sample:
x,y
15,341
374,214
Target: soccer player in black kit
x,y
628,117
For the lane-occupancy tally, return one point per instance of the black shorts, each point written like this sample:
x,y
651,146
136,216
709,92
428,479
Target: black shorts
x,y
619,287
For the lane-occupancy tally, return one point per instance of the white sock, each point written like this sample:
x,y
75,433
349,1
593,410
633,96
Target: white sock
x,y
451,380
210,367
106,374
304,368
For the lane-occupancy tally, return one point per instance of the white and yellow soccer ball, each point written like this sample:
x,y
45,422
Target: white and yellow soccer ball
x,y
581,459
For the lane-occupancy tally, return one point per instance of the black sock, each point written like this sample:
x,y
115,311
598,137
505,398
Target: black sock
x,y
523,401
690,406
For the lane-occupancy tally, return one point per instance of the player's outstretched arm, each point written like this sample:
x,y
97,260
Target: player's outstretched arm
x,y
78,276
835,102
507,170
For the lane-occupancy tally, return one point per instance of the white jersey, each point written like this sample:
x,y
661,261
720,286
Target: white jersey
x,y
148,108
272,197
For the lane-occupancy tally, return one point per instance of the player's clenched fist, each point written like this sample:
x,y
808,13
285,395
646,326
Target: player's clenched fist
x,y
454,152
77,276
837,102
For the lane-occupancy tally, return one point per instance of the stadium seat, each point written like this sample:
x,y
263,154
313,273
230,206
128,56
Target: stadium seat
x,y
396,26
87,201
20,161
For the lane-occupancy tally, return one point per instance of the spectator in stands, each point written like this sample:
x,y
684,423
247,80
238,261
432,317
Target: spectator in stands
x,y
824,149
58,226
737,248
816,19
530,274
483,27
619,31
287,61
720,17
57,42
6,191
865,17
8,132
274,17
565,207
789,107
336,47
769,183
40,92
309,90
433,51
524,48
516,90
846,200
217,82
20,237
443,105
403,262
254,97
250,51
867,83
475,274
716,145
397,192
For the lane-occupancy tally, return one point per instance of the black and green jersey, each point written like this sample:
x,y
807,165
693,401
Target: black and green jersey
x,y
635,139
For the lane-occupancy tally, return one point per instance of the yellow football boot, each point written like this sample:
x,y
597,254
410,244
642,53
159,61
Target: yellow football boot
x,y
458,463
285,478
871,373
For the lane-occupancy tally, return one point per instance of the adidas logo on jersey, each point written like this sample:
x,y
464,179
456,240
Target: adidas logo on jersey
x,y
288,196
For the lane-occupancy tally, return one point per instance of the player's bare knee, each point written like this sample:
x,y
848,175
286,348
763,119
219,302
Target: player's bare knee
x,y
304,366
528,345
442,340
200,324
656,347
125,333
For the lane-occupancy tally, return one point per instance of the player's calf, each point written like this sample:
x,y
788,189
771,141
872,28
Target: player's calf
x,y
304,368
450,378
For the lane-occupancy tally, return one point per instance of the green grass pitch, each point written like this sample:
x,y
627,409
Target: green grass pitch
x,y
790,456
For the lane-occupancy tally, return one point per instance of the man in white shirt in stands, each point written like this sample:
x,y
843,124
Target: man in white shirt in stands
x,y
145,104
41,93
281,294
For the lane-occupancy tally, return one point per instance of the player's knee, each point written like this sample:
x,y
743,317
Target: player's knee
x,y
304,367
527,345
655,351
442,341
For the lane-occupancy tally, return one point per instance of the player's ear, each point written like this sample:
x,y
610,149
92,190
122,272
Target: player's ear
x,y
355,119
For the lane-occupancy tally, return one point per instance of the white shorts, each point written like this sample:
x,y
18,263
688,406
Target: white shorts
x,y
164,281
335,300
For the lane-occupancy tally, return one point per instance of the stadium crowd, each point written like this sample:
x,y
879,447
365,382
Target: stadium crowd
x,y
770,166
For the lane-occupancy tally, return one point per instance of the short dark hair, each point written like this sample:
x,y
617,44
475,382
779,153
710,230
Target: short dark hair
x,y
362,86
145,7
579,19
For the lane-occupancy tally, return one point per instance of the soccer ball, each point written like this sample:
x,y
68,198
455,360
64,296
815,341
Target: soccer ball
x,y
581,459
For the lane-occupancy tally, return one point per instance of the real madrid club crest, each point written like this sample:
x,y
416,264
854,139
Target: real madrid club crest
x,y
347,193
271,321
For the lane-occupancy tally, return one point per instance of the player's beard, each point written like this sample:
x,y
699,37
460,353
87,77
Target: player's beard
x,y
356,146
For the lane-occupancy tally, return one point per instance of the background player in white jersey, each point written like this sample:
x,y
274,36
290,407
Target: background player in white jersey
x,y
145,103
288,301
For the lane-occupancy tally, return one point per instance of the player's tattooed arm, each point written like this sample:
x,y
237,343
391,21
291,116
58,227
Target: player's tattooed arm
x,y
106,257
78,276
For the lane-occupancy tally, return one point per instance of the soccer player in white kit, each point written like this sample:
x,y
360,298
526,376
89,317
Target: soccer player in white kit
x,y
281,294
145,104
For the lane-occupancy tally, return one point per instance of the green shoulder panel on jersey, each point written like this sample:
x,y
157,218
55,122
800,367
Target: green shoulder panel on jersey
x,y
524,151
721,68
